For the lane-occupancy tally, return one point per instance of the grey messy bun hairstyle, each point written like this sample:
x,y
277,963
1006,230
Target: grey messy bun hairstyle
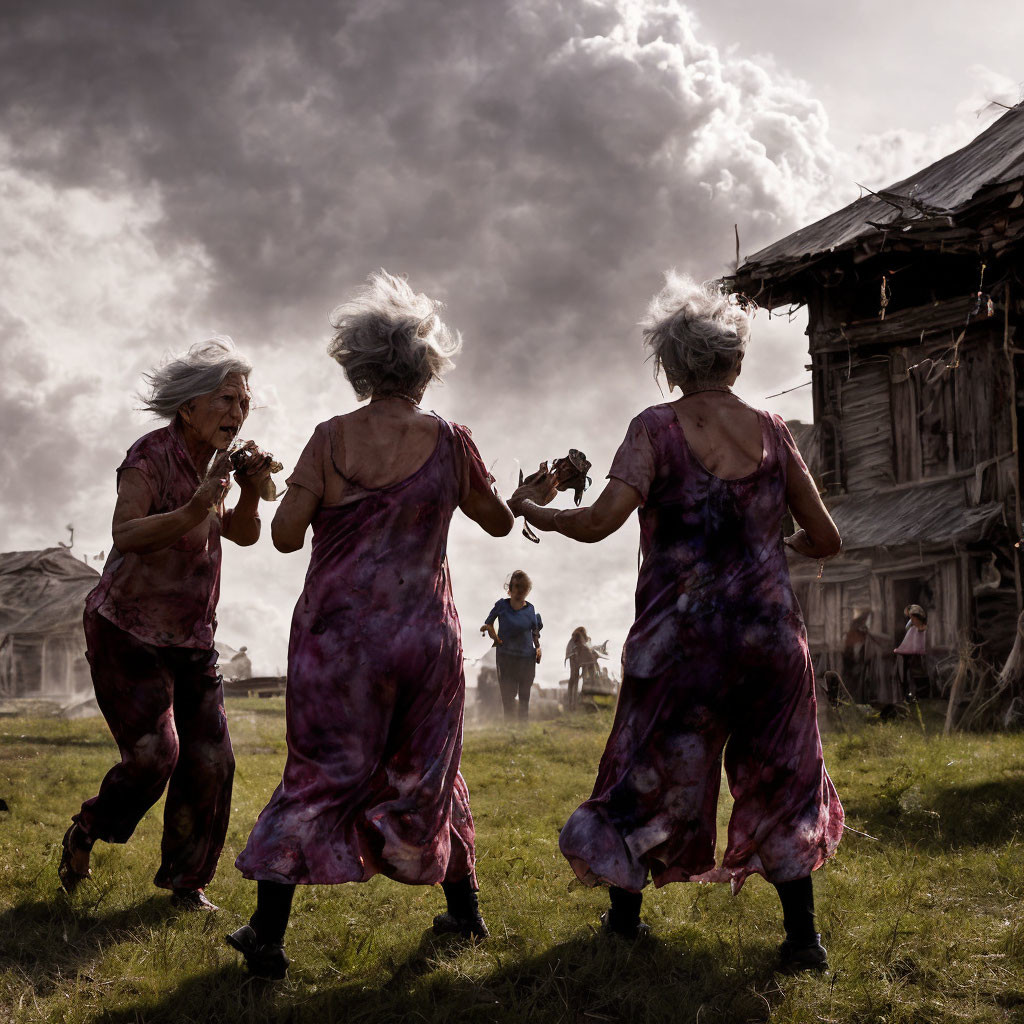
x,y
391,340
696,334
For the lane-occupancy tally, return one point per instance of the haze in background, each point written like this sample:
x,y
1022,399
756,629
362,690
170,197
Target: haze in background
x,y
171,171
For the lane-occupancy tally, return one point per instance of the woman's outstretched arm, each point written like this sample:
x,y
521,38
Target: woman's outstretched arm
x,y
817,536
615,504
488,510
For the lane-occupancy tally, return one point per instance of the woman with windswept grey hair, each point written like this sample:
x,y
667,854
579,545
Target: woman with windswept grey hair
x,y
717,657
375,681
150,622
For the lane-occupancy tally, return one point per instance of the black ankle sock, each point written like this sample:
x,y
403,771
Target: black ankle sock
x,y
625,909
462,899
273,906
797,899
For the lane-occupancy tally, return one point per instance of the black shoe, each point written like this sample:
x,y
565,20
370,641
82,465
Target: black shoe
x,y
264,961
74,858
192,899
466,927
633,930
805,956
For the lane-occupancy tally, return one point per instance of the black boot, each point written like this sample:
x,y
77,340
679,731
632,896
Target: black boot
x,y
463,914
264,960
809,955
193,899
802,950
623,916
261,941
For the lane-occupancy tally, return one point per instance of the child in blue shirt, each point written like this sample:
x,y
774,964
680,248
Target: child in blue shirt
x,y
518,643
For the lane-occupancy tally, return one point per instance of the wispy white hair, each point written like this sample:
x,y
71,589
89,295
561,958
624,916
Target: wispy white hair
x,y
695,332
389,339
200,370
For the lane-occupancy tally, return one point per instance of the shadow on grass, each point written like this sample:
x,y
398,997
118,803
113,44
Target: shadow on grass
x,y
586,979
50,940
983,814
63,741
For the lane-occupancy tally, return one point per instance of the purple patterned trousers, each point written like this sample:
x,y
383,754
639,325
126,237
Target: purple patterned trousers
x,y
165,709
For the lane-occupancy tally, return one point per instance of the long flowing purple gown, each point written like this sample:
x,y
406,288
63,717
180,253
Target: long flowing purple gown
x,y
717,658
376,692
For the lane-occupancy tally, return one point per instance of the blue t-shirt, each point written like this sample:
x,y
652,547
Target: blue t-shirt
x,y
516,628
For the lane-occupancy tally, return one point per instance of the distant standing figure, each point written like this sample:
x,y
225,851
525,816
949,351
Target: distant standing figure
x,y
518,642
855,651
582,658
717,659
376,690
911,655
150,621
240,667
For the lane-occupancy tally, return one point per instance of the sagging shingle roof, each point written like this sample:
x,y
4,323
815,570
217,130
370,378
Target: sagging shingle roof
x,y
930,513
933,199
43,591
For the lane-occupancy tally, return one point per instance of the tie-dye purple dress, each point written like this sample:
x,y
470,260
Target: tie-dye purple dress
x,y
376,692
717,658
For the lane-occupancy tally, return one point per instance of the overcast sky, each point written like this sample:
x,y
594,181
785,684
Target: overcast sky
x,y
168,171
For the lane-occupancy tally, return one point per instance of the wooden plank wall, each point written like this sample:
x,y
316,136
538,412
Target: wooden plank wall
x,y
866,427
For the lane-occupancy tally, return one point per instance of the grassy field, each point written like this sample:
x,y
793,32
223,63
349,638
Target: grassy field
x,y
923,922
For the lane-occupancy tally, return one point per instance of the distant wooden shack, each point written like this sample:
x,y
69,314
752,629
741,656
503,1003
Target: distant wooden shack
x,y
914,295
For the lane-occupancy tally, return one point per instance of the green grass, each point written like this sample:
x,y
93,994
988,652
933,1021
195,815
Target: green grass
x,y
923,923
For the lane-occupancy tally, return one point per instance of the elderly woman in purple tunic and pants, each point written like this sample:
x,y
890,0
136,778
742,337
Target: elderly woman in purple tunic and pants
x,y
375,681
150,622
717,657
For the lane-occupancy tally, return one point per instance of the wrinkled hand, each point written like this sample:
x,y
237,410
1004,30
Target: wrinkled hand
x,y
800,543
210,493
252,466
538,655
540,488
490,632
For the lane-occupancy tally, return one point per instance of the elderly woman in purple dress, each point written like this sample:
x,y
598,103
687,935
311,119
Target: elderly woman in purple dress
x,y
375,681
150,622
717,657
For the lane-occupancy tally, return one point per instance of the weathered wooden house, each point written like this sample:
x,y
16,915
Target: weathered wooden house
x,y
914,295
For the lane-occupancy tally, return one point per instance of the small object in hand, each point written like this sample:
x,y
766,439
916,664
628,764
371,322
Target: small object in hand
x,y
571,471
242,453
572,474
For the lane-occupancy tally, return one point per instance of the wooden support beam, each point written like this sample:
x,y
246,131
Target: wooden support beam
x,y
1011,370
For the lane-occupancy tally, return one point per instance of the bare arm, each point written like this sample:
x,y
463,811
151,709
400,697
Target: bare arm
x,y
294,514
135,530
488,509
615,504
488,628
818,536
242,523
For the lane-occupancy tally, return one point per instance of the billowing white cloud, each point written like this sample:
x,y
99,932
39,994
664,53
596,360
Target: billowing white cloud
x,y
887,157
89,300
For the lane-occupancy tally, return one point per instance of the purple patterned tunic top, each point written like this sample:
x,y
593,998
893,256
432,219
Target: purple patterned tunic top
x,y
167,598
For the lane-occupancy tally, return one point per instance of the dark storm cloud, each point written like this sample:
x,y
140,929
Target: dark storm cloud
x,y
546,157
